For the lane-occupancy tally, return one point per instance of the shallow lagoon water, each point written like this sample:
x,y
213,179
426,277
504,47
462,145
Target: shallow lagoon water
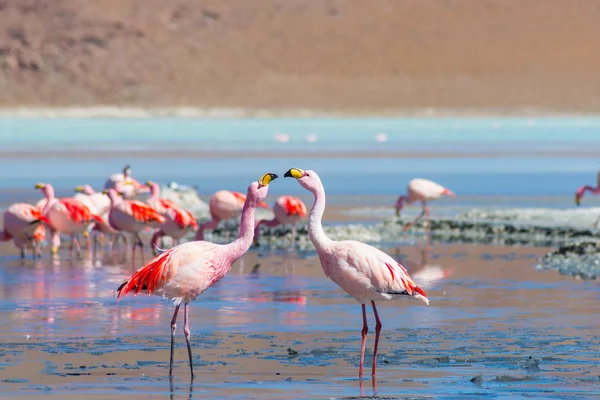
x,y
64,333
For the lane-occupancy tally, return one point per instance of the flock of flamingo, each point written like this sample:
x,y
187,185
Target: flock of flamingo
x,y
186,270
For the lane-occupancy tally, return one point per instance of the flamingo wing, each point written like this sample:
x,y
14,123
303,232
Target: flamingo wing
x,y
144,213
385,274
79,212
294,206
150,277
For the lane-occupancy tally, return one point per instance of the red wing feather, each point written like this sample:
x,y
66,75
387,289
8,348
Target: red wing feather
x,y
150,277
293,206
78,212
167,203
144,213
409,285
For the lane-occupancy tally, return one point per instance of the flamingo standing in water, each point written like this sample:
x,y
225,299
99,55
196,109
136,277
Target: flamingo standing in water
x,y
178,220
66,215
223,205
185,271
422,190
99,203
131,186
364,272
23,224
287,210
587,188
132,216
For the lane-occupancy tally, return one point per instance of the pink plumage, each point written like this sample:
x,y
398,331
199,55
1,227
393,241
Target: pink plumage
x,y
364,272
422,190
185,271
23,224
288,210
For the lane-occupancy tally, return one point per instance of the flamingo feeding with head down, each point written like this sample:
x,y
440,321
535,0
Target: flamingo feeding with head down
x,y
131,186
66,215
99,203
23,224
587,188
178,221
287,210
186,271
422,190
223,205
364,272
132,216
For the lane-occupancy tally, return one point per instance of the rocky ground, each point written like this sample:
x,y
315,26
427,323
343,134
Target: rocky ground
x,y
383,56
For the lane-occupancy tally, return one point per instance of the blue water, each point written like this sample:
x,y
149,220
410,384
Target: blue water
x,y
512,173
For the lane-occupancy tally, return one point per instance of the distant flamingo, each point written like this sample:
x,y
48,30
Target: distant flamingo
x,y
132,187
99,203
179,221
132,216
287,210
66,215
223,205
23,223
587,188
364,272
185,271
422,190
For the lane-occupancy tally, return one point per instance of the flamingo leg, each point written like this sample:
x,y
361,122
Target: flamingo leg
x,y
597,221
365,330
186,331
23,252
140,244
424,212
212,224
77,245
377,331
173,328
294,236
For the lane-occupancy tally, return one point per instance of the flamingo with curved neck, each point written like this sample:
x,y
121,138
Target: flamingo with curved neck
x,y
364,272
186,271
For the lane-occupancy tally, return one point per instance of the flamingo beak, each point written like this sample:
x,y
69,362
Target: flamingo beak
x,y
294,173
39,186
149,184
266,179
79,189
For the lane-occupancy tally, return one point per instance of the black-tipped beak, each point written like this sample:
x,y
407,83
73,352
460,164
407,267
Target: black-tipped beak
x,y
273,176
288,174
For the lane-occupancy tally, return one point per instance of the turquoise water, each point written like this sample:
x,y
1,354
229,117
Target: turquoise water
x,y
343,134
503,179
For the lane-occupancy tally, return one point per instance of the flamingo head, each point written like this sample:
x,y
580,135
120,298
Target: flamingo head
x,y
309,180
46,189
257,191
154,188
399,205
127,171
578,195
85,189
114,196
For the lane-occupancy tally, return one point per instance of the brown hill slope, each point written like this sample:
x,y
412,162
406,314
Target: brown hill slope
x,y
364,55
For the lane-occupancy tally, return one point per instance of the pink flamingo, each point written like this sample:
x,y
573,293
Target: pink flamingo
x,y
179,221
185,271
422,190
131,188
364,272
66,215
23,223
223,205
132,216
587,188
287,210
99,203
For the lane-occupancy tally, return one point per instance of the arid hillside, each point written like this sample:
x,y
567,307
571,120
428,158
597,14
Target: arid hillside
x,y
349,55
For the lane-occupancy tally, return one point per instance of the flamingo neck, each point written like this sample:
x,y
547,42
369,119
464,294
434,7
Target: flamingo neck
x,y
49,194
591,189
240,246
155,192
315,228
